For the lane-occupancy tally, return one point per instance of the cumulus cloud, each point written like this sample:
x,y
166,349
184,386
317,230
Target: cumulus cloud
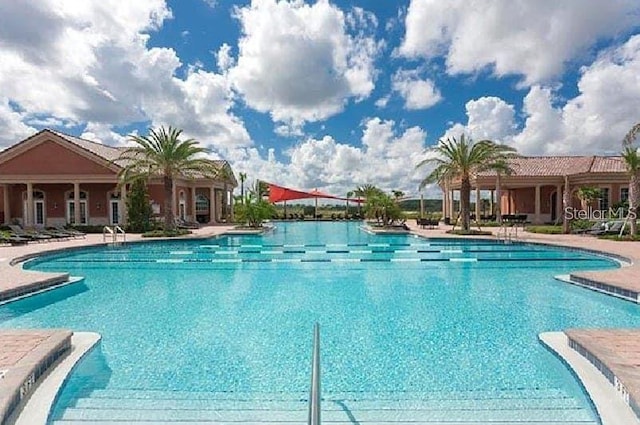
x,y
89,62
224,60
593,122
302,62
534,39
417,93
386,157
11,123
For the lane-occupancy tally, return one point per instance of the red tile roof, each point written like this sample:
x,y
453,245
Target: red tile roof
x,y
563,165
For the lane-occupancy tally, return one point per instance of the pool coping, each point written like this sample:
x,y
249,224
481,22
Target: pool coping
x,y
610,406
21,379
37,407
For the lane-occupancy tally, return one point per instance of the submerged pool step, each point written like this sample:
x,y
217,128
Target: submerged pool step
x,y
516,407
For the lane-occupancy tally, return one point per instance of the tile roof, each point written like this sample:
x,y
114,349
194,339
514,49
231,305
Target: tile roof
x,y
107,152
539,166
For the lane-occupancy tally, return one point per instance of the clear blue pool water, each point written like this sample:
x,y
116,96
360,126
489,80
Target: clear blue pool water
x,y
399,315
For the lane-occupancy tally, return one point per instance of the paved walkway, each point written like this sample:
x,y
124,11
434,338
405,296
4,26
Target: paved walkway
x,y
24,356
616,353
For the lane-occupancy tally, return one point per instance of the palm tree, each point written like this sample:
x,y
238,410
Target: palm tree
x,y
242,177
349,195
632,162
461,158
630,157
397,195
163,153
587,195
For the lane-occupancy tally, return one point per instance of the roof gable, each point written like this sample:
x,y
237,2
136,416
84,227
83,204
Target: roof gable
x,y
48,153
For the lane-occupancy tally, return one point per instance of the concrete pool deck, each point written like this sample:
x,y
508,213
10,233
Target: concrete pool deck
x,y
16,281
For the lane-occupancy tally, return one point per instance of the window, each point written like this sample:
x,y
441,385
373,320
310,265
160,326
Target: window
x,y
202,203
71,208
38,213
624,194
603,200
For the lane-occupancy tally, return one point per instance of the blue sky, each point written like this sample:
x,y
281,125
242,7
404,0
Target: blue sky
x,y
326,94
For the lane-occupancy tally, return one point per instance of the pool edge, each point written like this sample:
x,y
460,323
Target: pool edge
x,y
610,407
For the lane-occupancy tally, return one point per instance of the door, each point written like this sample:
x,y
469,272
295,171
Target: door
x,y
71,212
114,212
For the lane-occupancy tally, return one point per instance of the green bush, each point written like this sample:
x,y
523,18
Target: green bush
x,y
253,212
166,233
139,209
550,229
471,232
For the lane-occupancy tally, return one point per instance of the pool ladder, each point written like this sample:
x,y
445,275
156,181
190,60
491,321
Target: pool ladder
x,y
314,391
112,232
507,234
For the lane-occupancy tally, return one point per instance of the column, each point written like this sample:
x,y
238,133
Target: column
x,y
6,203
444,203
537,204
498,200
30,208
566,201
452,213
491,202
76,203
212,205
230,198
174,201
478,201
559,210
193,203
123,197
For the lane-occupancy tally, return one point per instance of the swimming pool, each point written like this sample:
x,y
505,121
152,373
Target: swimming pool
x,y
412,329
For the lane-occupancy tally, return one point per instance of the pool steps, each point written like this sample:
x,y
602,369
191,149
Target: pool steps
x,y
521,407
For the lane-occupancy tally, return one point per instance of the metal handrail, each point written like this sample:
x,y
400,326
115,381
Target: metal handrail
x,y
314,392
106,229
121,230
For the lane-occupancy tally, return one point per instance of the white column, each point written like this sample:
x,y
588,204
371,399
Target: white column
x,y
29,214
478,204
230,198
566,202
193,203
444,203
212,205
451,204
537,204
123,197
76,203
7,205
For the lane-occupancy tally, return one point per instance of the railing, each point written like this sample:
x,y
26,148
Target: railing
x,y
113,234
314,392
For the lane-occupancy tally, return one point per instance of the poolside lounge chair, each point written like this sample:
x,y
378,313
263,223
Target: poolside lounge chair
x,y
183,224
73,232
611,228
33,235
6,237
598,226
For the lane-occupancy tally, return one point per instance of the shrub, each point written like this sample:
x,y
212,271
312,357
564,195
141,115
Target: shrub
x,y
139,209
253,211
550,229
471,232
166,233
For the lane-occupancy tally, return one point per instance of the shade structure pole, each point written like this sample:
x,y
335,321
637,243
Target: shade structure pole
x,y
421,205
316,214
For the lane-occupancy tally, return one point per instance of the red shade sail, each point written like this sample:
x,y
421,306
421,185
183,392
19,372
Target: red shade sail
x,y
281,193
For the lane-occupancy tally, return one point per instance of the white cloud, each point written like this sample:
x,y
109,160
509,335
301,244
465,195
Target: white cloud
x,y
224,60
417,93
386,158
593,122
299,62
11,123
88,62
534,39
103,133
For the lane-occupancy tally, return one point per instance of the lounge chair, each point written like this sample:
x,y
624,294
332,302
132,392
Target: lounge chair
x,y
611,228
183,224
73,232
6,237
598,226
33,235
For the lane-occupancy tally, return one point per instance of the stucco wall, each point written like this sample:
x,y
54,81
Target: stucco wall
x,y
50,158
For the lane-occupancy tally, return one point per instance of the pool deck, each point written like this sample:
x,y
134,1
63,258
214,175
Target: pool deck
x,y
613,352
